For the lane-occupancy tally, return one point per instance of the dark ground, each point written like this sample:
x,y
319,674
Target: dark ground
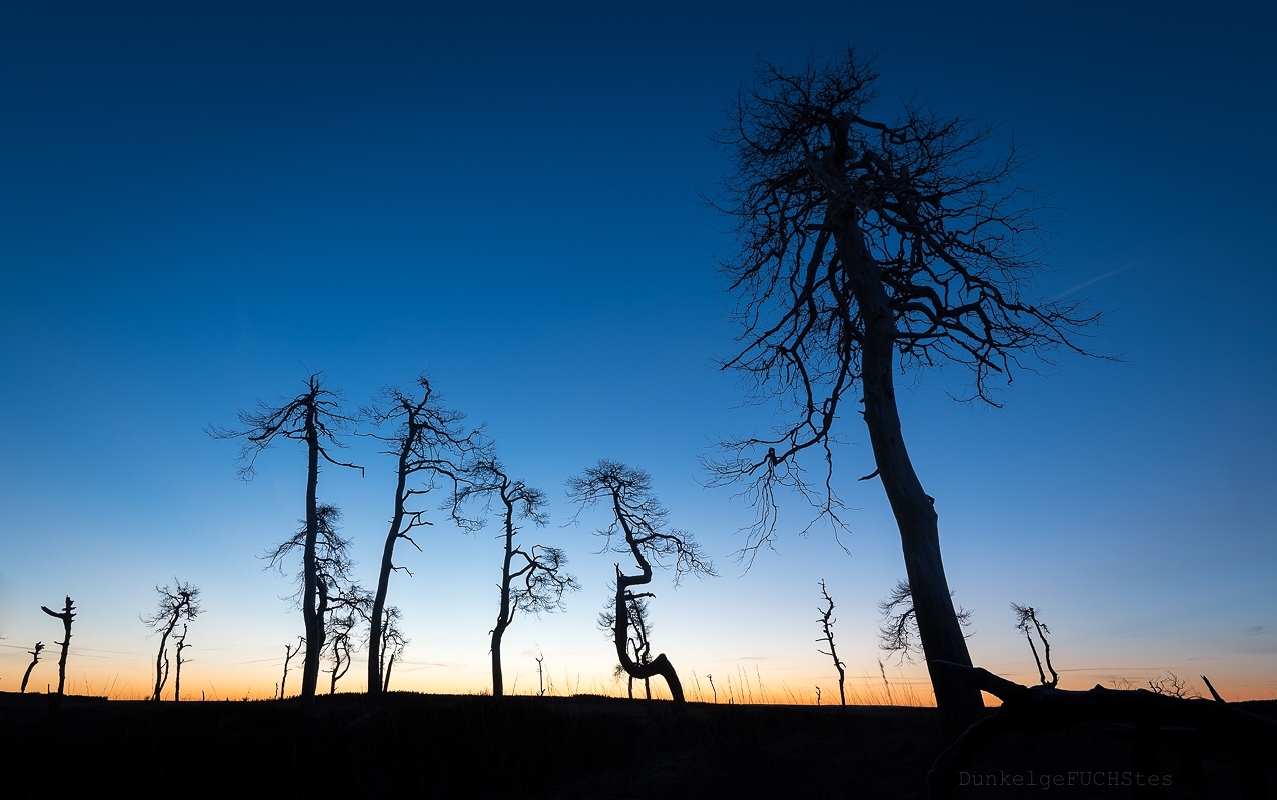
x,y
443,746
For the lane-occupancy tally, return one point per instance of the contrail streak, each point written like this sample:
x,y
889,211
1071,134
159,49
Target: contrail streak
x,y
1096,279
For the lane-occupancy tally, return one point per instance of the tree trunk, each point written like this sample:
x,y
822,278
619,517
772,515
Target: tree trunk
x,y
498,687
390,663
177,673
313,621
375,629
504,613
938,628
67,616
26,676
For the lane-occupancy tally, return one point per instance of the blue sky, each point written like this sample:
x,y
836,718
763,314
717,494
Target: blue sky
x,y
197,206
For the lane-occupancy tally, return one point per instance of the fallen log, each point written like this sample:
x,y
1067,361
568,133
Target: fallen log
x,y
1040,708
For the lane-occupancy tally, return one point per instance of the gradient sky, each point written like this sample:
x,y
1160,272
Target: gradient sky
x,y
199,206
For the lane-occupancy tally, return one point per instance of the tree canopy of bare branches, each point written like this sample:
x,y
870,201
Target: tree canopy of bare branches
x,y
639,528
431,446
313,417
871,245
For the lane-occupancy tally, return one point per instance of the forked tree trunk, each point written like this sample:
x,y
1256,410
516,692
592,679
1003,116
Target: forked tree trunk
x,y
960,704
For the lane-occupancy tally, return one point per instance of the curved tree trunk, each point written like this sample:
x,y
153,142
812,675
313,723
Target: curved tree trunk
x,y
620,630
503,620
960,704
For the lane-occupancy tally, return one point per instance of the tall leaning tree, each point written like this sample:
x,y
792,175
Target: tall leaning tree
x,y
873,243
313,417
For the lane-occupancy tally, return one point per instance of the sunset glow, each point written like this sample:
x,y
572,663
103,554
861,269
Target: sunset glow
x,y
203,207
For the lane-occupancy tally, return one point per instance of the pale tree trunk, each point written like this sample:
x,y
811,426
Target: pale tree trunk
x,y
960,704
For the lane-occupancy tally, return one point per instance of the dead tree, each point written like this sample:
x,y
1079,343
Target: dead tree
x,y
35,659
533,579
340,630
431,447
289,652
177,603
67,615
179,645
827,627
392,644
872,245
1024,617
312,417
639,519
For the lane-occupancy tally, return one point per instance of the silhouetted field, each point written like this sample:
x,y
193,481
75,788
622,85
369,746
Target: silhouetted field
x,y
441,746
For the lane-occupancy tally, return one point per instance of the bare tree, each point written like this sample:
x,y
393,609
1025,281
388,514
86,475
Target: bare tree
x,y
67,615
1172,685
177,603
314,418
429,443
532,579
35,659
392,644
179,644
1024,617
898,630
289,653
869,247
340,630
827,627
638,518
